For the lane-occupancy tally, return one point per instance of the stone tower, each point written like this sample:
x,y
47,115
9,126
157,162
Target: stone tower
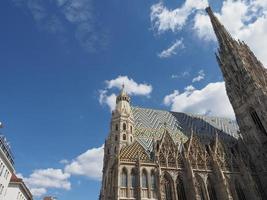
x,y
246,85
121,135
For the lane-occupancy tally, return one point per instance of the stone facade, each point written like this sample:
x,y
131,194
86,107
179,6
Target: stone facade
x,y
160,155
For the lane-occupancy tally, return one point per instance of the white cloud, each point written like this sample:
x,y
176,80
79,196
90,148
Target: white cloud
x,y
89,164
42,179
245,20
178,44
37,192
131,87
201,76
163,19
109,100
210,100
181,75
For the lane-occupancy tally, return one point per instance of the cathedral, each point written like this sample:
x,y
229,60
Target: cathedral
x,y
162,155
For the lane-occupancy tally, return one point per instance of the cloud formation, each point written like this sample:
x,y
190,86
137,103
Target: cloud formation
x,y
199,77
42,179
210,100
172,50
87,164
164,19
131,87
245,20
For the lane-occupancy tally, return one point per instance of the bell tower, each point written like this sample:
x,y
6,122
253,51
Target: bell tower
x,y
246,86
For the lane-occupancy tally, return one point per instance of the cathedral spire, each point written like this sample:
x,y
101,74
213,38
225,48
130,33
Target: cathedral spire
x,y
223,36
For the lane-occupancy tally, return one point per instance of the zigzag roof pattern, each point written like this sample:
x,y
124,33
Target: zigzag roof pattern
x,y
150,125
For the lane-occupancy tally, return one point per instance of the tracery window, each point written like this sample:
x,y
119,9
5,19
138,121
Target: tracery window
x,y
133,179
124,181
201,188
180,189
211,190
257,121
144,179
153,180
167,188
239,191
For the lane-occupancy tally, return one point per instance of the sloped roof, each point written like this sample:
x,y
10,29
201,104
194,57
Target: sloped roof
x,y
150,125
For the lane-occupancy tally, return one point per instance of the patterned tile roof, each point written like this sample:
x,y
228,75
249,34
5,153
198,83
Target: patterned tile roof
x,y
150,125
133,152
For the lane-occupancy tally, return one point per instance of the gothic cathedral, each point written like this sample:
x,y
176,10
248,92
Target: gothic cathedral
x,y
162,155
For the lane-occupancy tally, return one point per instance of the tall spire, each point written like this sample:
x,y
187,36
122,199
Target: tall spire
x,y
223,36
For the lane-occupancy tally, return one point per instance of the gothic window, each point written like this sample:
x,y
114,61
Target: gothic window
x,y
124,181
131,129
257,121
167,188
116,138
239,191
116,127
201,188
124,137
153,181
211,190
144,179
124,126
108,151
131,138
133,178
180,189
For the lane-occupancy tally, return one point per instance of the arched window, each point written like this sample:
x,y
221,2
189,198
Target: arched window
x,y
239,191
180,188
168,188
116,127
115,150
144,179
153,181
201,188
124,137
124,181
133,179
211,190
131,138
257,121
116,137
124,126
131,129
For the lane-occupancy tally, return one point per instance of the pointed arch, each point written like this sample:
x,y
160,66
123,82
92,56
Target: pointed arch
x,y
144,182
144,179
124,178
153,181
168,187
211,189
133,183
167,151
180,188
201,190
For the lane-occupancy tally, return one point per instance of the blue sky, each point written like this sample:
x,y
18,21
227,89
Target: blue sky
x,y
63,61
